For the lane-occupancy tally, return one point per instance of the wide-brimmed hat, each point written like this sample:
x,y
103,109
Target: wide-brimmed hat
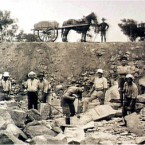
x,y
130,76
31,74
41,74
6,74
123,58
103,19
99,71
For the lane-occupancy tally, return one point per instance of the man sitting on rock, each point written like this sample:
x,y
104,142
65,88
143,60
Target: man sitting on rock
x,y
98,90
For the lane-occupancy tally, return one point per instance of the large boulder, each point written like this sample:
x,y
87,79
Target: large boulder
x,y
46,139
6,115
38,129
134,124
112,94
74,133
140,140
8,138
90,140
45,110
13,129
33,114
18,117
99,112
3,124
141,98
60,121
11,104
100,138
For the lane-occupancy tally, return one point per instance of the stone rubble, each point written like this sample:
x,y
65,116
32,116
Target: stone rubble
x,y
101,124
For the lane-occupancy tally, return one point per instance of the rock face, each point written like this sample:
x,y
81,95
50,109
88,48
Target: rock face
x,y
63,60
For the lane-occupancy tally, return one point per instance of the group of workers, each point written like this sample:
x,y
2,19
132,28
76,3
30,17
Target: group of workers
x,y
127,90
39,89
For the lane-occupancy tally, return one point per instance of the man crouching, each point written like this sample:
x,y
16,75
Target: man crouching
x,y
68,100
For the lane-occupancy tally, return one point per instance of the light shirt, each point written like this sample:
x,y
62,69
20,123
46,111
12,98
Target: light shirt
x,y
6,85
44,85
123,69
130,91
32,85
100,83
72,90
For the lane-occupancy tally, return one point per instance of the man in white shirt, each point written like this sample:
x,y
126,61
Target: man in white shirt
x,y
98,90
6,86
32,91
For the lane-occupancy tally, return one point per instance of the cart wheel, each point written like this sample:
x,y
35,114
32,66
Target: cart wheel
x,y
49,35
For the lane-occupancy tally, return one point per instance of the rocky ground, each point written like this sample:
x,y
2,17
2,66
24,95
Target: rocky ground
x,y
68,64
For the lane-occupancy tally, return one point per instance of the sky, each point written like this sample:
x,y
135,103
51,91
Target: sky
x,y
29,12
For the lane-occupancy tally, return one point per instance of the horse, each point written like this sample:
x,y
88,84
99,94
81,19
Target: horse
x,y
89,20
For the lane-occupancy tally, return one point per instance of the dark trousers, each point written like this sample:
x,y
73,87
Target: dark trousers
x,y
69,109
128,106
121,86
103,35
32,100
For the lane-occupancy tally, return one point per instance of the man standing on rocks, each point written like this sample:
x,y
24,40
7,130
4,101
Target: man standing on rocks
x,y
32,90
44,91
98,90
68,99
6,86
122,71
44,88
103,27
130,92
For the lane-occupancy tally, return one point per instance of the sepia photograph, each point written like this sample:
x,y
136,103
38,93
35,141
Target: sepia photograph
x,y
72,72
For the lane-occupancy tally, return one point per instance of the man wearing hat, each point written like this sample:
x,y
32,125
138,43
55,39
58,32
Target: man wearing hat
x,y
44,91
103,27
32,90
6,86
122,71
68,99
44,87
130,92
98,89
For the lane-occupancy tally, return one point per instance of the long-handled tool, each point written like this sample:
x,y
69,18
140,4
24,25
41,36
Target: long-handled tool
x,y
55,108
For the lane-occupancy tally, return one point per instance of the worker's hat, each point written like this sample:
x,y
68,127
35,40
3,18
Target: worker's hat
x,y
31,74
127,52
103,19
100,71
123,58
6,74
129,76
41,74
